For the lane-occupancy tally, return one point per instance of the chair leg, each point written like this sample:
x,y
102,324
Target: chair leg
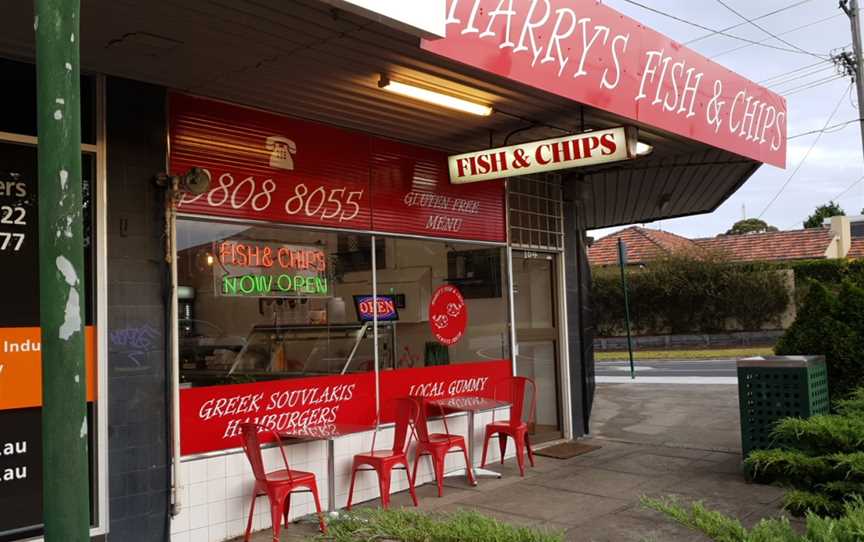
x,y
485,449
530,451
249,523
438,467
468,470
416,462
411,484
351,489
314,487
276,517
520,453
502,445
287,507
384,487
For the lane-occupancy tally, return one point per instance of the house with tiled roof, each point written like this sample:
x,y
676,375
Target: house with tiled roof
x,y
856,248
643,244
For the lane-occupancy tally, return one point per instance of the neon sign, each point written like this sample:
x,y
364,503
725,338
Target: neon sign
x,y
261,269
366,308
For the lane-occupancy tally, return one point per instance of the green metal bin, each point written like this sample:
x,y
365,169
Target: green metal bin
x,y
771,388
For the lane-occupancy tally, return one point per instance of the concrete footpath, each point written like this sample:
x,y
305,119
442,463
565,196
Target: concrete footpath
x,y
656,440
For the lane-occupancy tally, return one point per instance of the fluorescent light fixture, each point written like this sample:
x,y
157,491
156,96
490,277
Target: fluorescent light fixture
x,y
643,149
437,98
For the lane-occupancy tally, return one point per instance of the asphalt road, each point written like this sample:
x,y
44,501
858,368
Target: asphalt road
x,y
700,368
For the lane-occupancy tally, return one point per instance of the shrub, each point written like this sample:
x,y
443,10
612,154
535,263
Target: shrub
x,y
848,527
830,324
682,293
821,459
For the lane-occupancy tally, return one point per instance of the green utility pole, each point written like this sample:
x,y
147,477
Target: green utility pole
x,y
622,260
66,497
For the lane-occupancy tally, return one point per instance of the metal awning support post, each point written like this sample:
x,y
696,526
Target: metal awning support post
x,y
66,498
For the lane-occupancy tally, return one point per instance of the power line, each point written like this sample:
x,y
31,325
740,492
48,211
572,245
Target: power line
x,y
848,188
812,146
714,30
784,74
811,85
763,29
734,26
791,30
796,77
829,130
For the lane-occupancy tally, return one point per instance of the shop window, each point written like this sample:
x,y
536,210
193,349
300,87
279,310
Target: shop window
x,y
18,109
536,214
261,303
455,308
20,411
268,303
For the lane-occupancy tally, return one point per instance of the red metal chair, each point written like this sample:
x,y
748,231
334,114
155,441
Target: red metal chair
x,y
515,427
277,485
384,461
437,446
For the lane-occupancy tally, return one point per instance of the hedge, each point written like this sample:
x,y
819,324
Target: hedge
x,y
828,272
689,294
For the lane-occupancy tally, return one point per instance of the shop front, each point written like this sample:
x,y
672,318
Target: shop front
x,y
334,245
326,273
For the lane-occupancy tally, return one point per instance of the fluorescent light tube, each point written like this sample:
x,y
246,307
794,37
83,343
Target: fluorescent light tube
x,y
430,96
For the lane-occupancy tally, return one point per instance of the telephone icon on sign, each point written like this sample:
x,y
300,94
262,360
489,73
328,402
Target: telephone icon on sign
x,y
281,149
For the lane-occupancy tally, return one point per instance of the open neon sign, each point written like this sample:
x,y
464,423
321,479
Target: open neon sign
x,y
260,269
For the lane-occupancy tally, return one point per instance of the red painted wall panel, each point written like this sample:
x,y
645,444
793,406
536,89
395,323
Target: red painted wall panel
x,y
272,168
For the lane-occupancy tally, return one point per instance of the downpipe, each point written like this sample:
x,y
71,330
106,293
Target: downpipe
x,y
172,198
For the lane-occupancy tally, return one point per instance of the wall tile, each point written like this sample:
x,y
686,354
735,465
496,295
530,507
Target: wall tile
x,y
216,467
199,535
218,532
198,516
197,494
216,490
197,471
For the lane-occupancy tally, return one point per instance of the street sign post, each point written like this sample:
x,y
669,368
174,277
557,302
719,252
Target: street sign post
x,y
622,260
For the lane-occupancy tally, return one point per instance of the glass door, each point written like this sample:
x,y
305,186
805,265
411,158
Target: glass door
x,y
534,288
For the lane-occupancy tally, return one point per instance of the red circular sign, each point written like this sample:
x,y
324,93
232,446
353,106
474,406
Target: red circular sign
x,y
448,314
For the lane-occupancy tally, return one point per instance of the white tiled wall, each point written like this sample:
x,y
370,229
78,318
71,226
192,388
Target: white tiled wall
x,y
218,490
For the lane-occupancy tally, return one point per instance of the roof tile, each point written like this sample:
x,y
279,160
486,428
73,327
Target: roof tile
x,y
643,245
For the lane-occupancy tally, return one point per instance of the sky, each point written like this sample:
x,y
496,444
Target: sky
x,y
835,161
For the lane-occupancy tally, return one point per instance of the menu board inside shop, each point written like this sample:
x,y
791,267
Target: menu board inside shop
x,y
20,359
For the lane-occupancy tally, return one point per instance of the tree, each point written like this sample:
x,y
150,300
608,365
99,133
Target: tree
x,y
750,225
822,212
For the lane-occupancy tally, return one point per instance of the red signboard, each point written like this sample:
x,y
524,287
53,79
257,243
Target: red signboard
x,y
210,417
273,168
448,315
590,53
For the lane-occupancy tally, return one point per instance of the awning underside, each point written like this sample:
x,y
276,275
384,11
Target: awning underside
x,y
305,59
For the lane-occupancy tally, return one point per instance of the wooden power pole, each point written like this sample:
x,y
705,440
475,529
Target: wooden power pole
x,y
854,64
66,497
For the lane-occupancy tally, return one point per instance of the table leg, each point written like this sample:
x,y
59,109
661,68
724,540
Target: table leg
x,y
477,471
331,475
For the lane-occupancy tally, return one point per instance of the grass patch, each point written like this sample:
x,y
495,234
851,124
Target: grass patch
x,y
848,527
404,525
694,354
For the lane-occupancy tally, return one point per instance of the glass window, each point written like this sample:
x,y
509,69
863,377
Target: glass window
x,y
266,303
20,412
431,279
18,109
